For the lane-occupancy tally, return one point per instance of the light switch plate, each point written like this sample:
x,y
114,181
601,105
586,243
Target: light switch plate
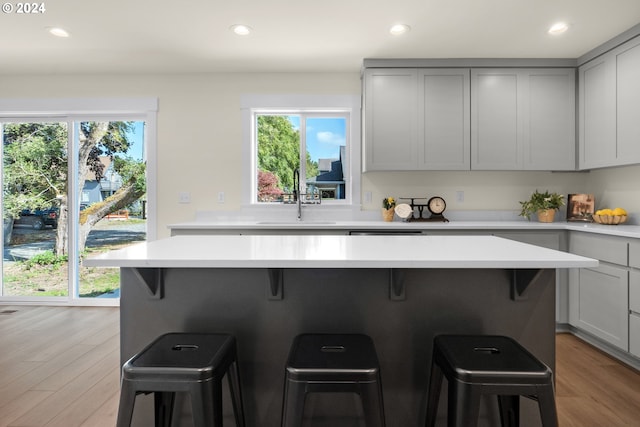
x,y
184,197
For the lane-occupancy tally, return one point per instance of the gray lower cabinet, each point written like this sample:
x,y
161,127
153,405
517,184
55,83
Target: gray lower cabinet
x,y
599,297
634,298
634,312
523,119
599,303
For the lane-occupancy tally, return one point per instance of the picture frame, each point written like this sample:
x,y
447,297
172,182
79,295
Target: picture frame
x,y
580,207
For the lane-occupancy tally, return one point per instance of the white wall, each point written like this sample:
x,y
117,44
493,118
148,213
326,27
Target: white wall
x,y
617,187
200,137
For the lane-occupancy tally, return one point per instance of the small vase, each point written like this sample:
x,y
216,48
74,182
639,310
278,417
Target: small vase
x,y
387,214
546,215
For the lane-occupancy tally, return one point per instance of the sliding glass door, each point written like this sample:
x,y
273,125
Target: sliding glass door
x,y
56,212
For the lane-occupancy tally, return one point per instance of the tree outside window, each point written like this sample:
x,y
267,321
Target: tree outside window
x,y
312,142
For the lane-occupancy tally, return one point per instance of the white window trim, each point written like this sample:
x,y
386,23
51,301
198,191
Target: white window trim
x,y
286,104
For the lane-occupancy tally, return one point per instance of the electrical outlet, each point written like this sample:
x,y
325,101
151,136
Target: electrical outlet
x,y
220,196
184,197
460,196
367,197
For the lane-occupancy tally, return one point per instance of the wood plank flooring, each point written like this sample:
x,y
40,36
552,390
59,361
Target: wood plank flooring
x,y
59,366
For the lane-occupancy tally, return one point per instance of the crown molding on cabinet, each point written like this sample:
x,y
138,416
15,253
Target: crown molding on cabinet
x,y
611,44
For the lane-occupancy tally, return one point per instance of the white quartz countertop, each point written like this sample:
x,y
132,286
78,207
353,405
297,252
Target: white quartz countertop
x,y
330,251
632,231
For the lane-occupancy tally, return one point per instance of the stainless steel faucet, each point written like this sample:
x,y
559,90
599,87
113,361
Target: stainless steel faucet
x,y
297,194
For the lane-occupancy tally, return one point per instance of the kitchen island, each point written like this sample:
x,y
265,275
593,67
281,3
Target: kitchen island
x,y
400,290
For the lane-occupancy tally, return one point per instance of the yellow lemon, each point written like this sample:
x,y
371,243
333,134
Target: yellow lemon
x,y
619,211
606,212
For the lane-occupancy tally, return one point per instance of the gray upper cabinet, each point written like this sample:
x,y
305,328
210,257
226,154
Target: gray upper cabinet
x,y
628,102
443,119
597,115
497,132
609,119
416,119
523,119
462,119
550,120
390,119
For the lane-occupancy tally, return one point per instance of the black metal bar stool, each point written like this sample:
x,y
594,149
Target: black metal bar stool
x,y
487,364
332,363
183,362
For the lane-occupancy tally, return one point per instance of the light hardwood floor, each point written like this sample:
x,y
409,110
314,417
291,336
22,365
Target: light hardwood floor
x,y
59,366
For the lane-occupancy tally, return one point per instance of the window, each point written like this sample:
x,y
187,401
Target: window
x,y
312,144
290,144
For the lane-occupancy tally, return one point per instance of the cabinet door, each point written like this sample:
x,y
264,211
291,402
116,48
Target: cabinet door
x,y
599,303
443,116
628,102
549,127
634,334
634,291
390,117
634,315
496,131
597,114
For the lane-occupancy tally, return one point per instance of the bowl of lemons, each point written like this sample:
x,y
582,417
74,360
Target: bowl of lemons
x,y
610,216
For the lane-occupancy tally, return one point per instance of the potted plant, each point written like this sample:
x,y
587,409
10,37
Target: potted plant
x,y
544,205
388,205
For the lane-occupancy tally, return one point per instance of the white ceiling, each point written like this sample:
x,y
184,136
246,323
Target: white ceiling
x,y
162,36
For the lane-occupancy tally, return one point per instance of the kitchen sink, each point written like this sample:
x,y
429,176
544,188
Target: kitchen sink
x,y
295,222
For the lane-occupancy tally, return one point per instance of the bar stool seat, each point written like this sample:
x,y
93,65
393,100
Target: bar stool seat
x,y
332,363
183,362
476,365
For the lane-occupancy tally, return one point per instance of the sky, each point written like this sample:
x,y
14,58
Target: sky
x,y
324,136
136,150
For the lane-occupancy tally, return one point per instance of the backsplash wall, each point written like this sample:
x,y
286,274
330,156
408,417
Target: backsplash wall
x,y
483,190
491,190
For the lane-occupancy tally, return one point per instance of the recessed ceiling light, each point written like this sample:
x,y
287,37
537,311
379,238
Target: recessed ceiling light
x,y
398,29
558,28
59,32
241,30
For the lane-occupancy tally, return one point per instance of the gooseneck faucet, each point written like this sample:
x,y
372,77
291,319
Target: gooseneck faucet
x,y
297,195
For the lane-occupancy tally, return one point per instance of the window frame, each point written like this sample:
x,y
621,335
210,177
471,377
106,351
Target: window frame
x,y
304,115
347,106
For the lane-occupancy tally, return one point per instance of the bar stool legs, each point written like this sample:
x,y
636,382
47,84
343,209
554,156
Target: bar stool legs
x,y
182,362
475,365
332,363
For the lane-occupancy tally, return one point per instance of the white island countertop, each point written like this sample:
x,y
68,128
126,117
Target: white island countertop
x,y
330,251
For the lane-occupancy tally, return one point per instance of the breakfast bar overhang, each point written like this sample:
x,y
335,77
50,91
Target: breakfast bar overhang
x,y
400,290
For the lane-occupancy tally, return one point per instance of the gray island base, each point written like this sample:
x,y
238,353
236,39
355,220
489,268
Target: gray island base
x,y
400,290
436,301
